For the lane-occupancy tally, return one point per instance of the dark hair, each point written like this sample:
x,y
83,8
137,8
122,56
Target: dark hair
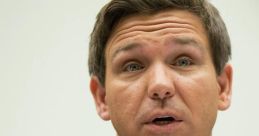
x,y
115,10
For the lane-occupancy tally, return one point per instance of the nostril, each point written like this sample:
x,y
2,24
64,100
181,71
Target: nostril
x,y
155,95
161,95
167,93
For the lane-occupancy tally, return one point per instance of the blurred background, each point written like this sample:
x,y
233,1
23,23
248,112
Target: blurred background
x,y
44,80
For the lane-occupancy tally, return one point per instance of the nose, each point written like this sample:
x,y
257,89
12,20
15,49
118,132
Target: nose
x,y
161,85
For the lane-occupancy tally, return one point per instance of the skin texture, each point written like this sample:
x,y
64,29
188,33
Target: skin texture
x,y
161,65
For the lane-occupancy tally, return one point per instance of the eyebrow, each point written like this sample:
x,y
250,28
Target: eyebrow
x,y
187,41
125,48
184,41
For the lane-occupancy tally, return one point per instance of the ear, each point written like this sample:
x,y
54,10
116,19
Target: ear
x,y
225,87
99,94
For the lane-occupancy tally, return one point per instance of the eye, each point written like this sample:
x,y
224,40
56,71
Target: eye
x,y
183,61
133,66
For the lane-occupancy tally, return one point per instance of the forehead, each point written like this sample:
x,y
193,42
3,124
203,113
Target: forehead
x,y
167,21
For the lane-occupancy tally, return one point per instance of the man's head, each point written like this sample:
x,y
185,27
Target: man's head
x,y
159,67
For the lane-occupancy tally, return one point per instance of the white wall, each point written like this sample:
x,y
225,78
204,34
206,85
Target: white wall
x,y
43,68
242,20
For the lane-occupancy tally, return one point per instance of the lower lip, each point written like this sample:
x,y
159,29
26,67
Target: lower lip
x,y
163,129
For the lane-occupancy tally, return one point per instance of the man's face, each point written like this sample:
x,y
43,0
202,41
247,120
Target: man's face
x,y
160,78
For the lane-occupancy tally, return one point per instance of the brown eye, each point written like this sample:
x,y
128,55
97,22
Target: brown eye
x,y
132,67
183,62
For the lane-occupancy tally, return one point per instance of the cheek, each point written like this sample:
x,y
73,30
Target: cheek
x,y
200,94
124,100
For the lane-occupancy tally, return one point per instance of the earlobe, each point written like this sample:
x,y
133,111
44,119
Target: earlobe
x,y
225,87
99,94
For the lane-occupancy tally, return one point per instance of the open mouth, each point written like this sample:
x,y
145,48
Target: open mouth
x,y
163,123
163,120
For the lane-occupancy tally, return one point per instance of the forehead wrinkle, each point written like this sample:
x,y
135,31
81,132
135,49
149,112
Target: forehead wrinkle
x,y
137,29
134,26
167,16
173,16
152,25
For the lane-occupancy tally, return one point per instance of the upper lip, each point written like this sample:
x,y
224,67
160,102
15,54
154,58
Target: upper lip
x,y
160,114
